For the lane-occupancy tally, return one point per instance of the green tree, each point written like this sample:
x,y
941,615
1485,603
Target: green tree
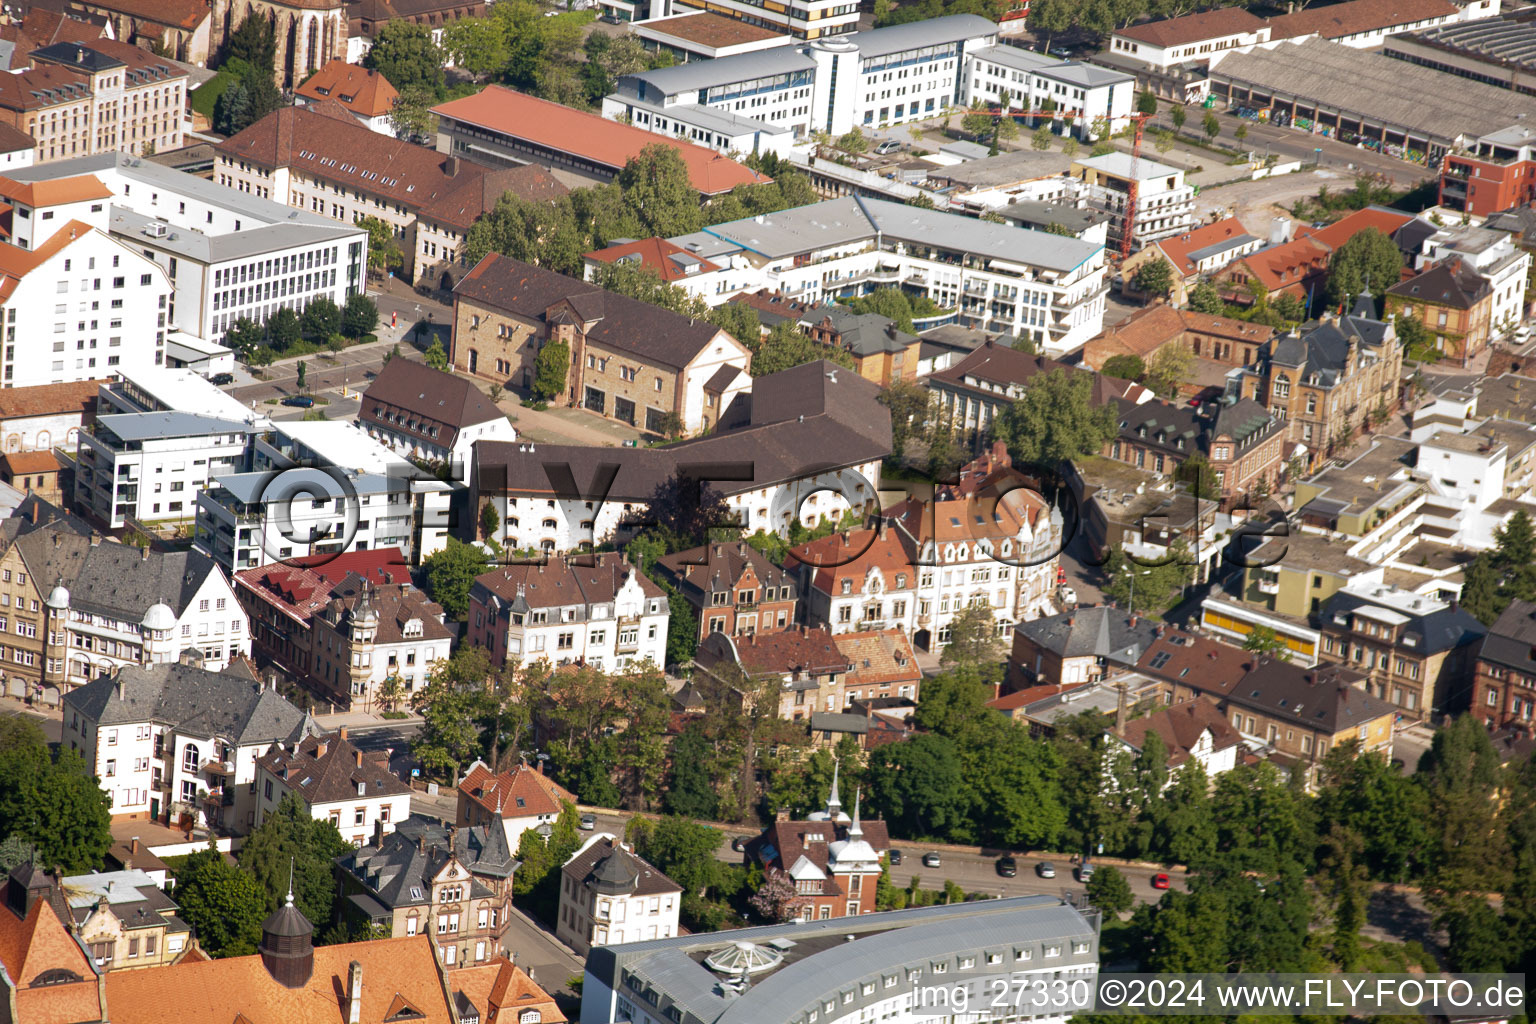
x,y
1289,307
550,367
1042,138
244,336
1211,125
320,320
405,54
452,705
359,317
891,303
1146,102
1264,640
223,904
1196,473
917,787
1162,139
283,330
1056,420
973,637
303,370
477,45
1109,891
412,115
1178,115
1204,298
1369,259
290,839
787,346
232,110
1125,367
908,403
691,787
71,815
254,44
1364,795
490,520
740,321
684,850
1460,774
641,282
383,248
1169,369
1156,587
658,192
1153,277
451,575
1241,132
1051,17
436,356
855,141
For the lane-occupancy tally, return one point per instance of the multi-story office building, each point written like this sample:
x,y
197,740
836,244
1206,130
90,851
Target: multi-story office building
x,y
594,609
82,304
1165,204
77,100
1085,100
179,743
842,970
1031,284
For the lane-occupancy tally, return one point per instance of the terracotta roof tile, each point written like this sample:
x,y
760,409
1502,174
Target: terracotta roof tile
x,y
501,992
300,587
670,262
1193,28
29,462
1342,230
50,399
1335,21
1178,247
879,657
54,191
326,769
566,581
365,93
590,136
520,793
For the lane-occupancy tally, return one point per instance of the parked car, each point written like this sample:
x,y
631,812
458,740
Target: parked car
x,y
1045,869
887,147
1067,596
221,379
739,844
1085,871
931,859
1007,867
299,401
1160,881
588,822
895,856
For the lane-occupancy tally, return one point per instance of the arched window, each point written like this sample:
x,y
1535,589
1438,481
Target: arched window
x,y
189,757
529,1017
44,440
312,45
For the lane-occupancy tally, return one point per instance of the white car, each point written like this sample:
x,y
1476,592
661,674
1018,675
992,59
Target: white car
x,y
1523,332
1066,596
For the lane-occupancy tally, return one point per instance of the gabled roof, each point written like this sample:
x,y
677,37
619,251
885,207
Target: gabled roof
x,y
364,92
1180,727
1448,283
1511,641
1338,21
879,658
302,586
120,580
76,397
1287,264
1193,28
55,191
193,700
522,792
581,579
671,262
324,769
425,403
785,844
799,652
395,605
500,993
1180,249
589,136
1098,631
398,871
699,570
1005,366
1388,222
33,945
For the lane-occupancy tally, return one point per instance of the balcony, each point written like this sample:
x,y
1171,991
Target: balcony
x,y
224,768
1269,585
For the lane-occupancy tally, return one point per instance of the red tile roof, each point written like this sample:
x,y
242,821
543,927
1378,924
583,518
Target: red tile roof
x,y
365,93
520,793
783,843
1286,264
29,462
656,254
186,14
1193,28
302,586
81,188
1341,231
34,945
1180,726
1335,21
502,992
589,136
50,399
879,658
1178,247
810,651
46,85
1022,698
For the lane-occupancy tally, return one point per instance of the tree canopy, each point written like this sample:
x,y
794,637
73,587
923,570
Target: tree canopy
x,y
1369,259
1056,420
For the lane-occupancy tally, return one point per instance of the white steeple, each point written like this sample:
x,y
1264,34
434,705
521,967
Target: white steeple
x,y
856,830
834,803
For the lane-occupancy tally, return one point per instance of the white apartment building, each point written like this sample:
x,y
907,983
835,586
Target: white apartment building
x,y
76,304
429,414
161,436
1165,204
594,609
172,740
610,895
1033,284
1494,255
335,782
318,488
112,605
803,19
1079,94
227,253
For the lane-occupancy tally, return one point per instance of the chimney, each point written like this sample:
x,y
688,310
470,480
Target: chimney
x,y
133,845
354,993
95,539
144,553
341,733
37,512
451,166
1133,618
782,815
359,755
320,747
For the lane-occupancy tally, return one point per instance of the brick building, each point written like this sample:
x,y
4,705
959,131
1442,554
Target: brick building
x,y
1241,442
1504,685
733,588
1453,302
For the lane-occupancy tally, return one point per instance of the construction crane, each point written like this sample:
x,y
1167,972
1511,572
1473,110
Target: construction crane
x,y
1138,122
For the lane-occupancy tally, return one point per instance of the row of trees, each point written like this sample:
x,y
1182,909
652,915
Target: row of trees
x,y
322,324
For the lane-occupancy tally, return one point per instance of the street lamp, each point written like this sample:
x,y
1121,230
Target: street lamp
x,y
1134,574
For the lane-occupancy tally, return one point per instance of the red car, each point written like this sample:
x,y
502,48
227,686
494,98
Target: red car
x,y
1160,881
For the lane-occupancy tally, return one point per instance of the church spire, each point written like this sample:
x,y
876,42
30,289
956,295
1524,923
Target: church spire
x,y
834,802
856,830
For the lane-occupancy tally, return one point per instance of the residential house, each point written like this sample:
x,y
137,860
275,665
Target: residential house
x,y
1329,381
733,588
376,644
1297,713
333,781
1193,254
366,94
884,666
880,352
426,878
833,860
1416,651
609,896
629,360
49,976
124,919
672,263
32,472
81,99
179,744
321,160
595,609
428,414
804,443
1241,443
133,854
1218,343
1080,646
990,540
35,419
1298,268
1453,302
518,799
1494,256
282,599
106,605
1192,731
365,18
1504,687
810,668
1148,521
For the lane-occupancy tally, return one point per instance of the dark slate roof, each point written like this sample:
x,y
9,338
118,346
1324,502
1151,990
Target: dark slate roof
x,y
114,579
699,570
1445,628
606,862
1512,639
1323,698
1321,355
657,335
191,699
424,403
1448,283
863,334
1100,631
324,769
414,854
1244,421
